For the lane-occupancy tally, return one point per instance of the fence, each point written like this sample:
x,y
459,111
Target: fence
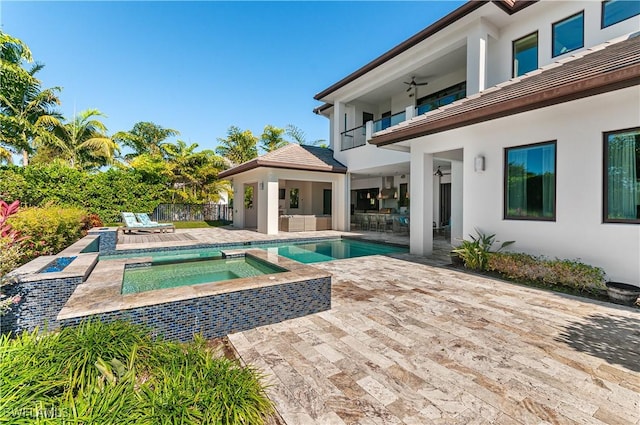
x,y
193,212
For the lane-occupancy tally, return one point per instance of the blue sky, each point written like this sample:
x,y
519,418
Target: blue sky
x,y
200,67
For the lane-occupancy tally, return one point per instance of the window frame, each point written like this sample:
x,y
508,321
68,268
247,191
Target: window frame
x,y
505,183
605,178
602,25
513,53
553,34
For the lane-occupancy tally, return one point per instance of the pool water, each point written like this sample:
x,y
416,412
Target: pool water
x,y
171,275
303,252
321,251
58,265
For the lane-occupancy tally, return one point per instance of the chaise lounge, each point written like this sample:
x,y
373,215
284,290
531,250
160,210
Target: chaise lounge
x,y
144,223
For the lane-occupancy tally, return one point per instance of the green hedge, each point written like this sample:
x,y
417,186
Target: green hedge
x,y
104,193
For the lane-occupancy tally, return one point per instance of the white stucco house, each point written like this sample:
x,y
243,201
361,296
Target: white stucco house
x,y
520,118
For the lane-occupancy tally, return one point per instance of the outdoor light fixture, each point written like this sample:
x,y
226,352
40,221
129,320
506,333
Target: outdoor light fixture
x,y
261,185
478,163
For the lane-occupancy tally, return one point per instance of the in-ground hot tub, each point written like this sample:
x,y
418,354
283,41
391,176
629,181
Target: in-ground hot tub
x,y
212,309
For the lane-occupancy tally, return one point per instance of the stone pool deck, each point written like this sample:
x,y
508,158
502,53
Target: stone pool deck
x,y
409,343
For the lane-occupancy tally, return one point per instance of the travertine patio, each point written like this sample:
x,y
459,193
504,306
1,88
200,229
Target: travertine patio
x,y
410,343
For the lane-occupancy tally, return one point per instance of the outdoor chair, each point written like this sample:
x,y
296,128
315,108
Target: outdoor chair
x,y
146,221
131,223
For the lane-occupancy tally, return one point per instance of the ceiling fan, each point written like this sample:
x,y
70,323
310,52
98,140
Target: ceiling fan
x,y
439,173
413,83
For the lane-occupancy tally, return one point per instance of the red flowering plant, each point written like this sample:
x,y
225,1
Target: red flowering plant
x,y
11,251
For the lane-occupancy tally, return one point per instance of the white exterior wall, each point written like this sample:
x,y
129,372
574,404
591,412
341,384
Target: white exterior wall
x,y
578,232
369,156
540,17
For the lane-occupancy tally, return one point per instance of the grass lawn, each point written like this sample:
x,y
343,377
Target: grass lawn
x,y
187,224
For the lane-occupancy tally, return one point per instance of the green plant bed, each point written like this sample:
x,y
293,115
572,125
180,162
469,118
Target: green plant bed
x,y
117,374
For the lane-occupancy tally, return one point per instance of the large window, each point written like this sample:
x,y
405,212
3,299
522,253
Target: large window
x,y
614,11
568,34
622,176
525,54
530,182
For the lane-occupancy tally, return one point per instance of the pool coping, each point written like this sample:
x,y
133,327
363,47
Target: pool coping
x,y
101,292
244,245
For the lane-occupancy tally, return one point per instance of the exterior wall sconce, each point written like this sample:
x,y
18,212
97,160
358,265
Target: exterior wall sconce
x,y
478,163
261,185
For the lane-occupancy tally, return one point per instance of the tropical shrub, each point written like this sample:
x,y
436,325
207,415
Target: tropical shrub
x,y
49,229
11,252
475,253
117,374
547,272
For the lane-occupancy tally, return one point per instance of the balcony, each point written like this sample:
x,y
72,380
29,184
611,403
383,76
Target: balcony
x,y
387,122
359,136
353,138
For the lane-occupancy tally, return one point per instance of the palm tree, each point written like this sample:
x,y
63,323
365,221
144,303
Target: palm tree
x,y
300,137
195,174
144,138
239,146
26,110
272,139
83,142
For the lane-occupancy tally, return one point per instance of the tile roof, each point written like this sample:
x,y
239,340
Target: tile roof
x,y
293,157
610,66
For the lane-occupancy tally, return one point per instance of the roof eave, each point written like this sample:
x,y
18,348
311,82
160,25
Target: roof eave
x,y
252,165
439,25
610,81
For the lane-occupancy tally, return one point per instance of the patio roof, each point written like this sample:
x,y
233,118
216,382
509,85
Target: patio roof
x,y
610,66
292,157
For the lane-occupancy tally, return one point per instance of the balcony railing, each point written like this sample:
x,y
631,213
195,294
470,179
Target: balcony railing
x,y
440,102
387,122
353,138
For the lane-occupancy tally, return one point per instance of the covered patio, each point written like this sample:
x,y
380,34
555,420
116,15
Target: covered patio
x,y
294,188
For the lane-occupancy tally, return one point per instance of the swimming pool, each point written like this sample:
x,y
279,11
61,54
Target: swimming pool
x,y
306,252
184,273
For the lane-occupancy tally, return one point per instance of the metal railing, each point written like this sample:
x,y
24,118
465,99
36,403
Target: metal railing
x,y
353,138
193,212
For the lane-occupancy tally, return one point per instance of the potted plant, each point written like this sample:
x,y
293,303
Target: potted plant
x,y
623,293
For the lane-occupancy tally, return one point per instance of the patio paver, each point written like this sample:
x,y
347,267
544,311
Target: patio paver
x,y
409,343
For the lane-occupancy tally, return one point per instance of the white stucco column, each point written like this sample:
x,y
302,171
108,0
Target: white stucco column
x,y
238,203
338,125
477,44
268,205
340,202
421,198
457,225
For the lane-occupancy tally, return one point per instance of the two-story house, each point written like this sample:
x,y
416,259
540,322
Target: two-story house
x,y
529,112
520,118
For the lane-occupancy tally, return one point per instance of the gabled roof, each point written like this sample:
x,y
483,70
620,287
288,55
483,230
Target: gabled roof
x,y
610,66
509,6
293,157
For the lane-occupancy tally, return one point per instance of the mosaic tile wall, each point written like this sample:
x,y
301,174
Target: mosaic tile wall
x,y
218,315
41,301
